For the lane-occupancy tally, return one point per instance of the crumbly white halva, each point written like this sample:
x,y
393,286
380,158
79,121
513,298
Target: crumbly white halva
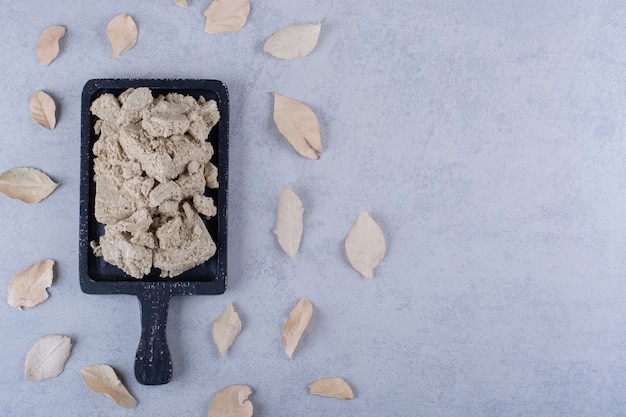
x,y
151,168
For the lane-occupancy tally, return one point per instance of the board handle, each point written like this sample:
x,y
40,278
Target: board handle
x,y
153,362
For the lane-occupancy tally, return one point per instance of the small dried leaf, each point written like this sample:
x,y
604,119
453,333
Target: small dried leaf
x,y
225,329
27,184
28,288
365,245
293,41
297,122
226,15
48,44
102,379
122,31
43,110
288,227
181,3
46,358
299,318
232,401
332,387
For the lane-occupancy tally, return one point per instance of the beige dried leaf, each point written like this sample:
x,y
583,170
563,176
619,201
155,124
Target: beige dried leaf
x,y
299,318
365,245
332,387
28,288
27,184
43,110
232,401
46,358
181,3
225,329
48,44
293,41
103,379
299,125
122,31
288,229
226,16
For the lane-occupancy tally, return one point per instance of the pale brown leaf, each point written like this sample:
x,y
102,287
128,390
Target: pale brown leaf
x,y
181,3
28,288
299,318
103,379
46,358
225,329
27,184
122,31
226,16
232,401
43,110
48,44
293,41
365,245
299,125
332,387
288,229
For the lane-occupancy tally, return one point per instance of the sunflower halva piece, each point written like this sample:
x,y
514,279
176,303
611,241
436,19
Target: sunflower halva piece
x,y
151,168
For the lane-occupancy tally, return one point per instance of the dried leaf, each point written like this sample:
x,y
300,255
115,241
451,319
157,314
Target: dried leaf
x,y
293,41
181,3
299,318
232,401
297,122
28,288
225,329
46,358
43,110
48,44
122,31
332,387
288,229
365,245
102,379
27,184
226,15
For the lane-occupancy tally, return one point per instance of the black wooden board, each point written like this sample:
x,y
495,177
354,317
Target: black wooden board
x,y
153,363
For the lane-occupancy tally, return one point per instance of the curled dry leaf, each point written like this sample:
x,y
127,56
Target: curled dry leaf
x,y
288,227
181,3
232,401
299,318
365,245
46,358
226,16
27,184
293,41
332,387
299,125
225,329
48,44
122,31
43,110
102,379
28,288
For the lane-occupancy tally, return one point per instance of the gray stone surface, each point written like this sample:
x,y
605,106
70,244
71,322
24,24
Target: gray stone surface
x,y
485,137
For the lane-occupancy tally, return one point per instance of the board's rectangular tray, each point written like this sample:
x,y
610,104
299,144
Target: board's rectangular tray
x,y
97,276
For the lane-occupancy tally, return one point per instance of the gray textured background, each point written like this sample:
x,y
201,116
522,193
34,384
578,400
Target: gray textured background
x,y
485,137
